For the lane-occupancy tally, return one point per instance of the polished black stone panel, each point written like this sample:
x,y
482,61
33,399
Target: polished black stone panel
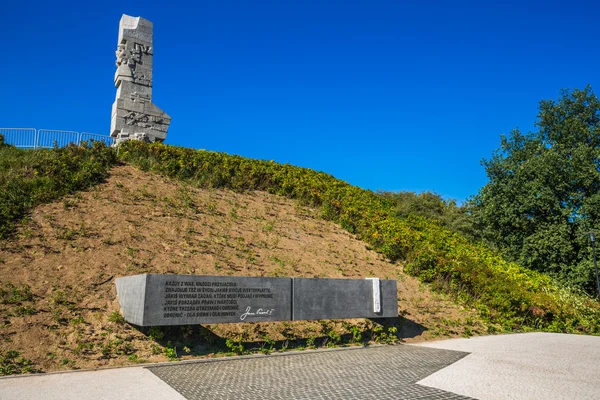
x,y
161,300
316,298
195,299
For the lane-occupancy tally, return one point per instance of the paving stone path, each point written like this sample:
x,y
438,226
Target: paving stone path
x,y
386,372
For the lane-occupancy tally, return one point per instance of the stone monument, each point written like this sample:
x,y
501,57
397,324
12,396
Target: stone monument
x,y
169,299
134,116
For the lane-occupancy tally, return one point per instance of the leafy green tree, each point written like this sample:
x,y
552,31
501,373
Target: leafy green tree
x,y
543,194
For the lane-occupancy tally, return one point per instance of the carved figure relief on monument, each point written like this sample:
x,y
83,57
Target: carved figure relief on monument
x,y
134,116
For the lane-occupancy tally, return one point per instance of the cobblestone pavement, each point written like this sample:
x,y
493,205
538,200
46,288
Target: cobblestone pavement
x,y
385,372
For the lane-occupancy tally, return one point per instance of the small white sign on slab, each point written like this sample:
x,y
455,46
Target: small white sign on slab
x,y
376,295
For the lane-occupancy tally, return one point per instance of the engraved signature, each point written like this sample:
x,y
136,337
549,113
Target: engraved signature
x,y
258,313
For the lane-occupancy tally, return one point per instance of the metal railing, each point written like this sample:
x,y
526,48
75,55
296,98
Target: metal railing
x,y
20,137
30,138
47,138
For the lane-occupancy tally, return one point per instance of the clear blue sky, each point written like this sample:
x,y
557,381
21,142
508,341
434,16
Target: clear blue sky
x,y
392,95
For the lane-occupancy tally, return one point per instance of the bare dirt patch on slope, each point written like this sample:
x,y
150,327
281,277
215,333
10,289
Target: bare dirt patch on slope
x,y
69,253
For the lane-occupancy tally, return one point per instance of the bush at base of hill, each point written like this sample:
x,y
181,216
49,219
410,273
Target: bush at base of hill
x,y
32,177
505,293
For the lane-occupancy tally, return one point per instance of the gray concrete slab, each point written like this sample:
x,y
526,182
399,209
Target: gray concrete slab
x,y
136,383
521,366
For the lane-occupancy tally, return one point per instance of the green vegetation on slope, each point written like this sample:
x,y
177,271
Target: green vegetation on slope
x,y
433,206
509,295
29,178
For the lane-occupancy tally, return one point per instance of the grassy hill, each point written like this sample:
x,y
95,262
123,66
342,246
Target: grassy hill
x,y
188,211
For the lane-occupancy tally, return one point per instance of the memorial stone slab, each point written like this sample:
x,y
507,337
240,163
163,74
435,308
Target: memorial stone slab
x,y
151,300
317,298
160,300
134,116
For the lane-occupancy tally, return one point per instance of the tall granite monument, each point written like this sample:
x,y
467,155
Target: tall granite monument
x,y
134,116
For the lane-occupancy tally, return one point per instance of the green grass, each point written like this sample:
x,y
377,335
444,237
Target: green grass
x,y
12,363
11,294
32,177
